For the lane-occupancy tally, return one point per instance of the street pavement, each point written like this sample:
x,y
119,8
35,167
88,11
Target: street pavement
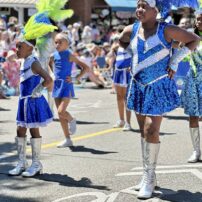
x,y
105,163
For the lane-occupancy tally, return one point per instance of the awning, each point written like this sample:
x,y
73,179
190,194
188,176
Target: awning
x,y
122,5
18,3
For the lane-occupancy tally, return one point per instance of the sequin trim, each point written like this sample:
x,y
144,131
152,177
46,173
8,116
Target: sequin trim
x,y
151,82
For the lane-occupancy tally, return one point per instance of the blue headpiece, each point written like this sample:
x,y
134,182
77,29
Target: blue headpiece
x,y
165,6
186,3
199,10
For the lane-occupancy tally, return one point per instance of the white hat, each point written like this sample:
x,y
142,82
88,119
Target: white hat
x,y
151,3
10,53
76,24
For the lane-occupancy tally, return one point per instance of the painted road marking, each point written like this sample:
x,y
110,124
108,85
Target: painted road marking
x,y
6,155
87,105
75,139
193,171
173,166
102,197
169,169
82,137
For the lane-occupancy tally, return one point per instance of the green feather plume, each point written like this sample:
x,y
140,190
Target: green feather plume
x,y
55,9
33,30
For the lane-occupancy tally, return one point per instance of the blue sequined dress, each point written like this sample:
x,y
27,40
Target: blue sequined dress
x,y
191,97
62,69
32,112
151,92
121,75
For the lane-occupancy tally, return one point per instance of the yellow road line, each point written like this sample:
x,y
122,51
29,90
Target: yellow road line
x,y
104,132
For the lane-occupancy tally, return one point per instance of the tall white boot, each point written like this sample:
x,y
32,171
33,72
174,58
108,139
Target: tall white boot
x,y
195,137
138,186
36,167
22,162
151,155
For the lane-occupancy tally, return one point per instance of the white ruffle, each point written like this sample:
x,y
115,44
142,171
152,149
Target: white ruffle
x,y
34,125
121,85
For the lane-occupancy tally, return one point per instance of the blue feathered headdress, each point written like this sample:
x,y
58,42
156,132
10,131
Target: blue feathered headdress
x,y
199,10
165,6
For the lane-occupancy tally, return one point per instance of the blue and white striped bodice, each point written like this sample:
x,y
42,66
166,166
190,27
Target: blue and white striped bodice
x,y
28,80
151,56
123,59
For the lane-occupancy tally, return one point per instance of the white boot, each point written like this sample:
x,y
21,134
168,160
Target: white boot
x,y
151,155
195,137
138,186
36,167
22,163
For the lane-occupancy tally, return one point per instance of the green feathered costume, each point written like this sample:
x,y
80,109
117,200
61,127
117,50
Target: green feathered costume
x,y
55,11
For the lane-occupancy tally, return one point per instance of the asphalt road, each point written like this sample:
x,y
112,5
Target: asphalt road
x,y
105,163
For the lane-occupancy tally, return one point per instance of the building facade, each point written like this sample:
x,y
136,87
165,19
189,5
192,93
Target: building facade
x,y
83,9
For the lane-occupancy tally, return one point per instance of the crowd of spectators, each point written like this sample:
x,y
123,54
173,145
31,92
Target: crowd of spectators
x,y
94,44
91,43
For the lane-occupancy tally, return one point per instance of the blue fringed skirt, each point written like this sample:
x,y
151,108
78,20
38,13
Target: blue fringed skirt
x,y
63,89
191,97
121,77
154,99
33,112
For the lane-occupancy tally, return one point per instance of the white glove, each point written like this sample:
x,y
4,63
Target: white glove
x,y
37,92
178,57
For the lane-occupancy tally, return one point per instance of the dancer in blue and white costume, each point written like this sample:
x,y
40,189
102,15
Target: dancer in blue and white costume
x,y
152,91
121,80
45,44
32,112
192,93
61,64
33,109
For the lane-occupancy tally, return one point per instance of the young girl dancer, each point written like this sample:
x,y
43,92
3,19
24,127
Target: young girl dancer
x,y
33,110
192,93
45,44
152,90
63,91
121,79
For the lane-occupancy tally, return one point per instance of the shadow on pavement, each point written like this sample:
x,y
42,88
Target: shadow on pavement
x,y
15,199
90,150
177,117
134,130
162,133
6,121
180,196
65,180
7,147
6,157
3,109
90,122
84,122
93,87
